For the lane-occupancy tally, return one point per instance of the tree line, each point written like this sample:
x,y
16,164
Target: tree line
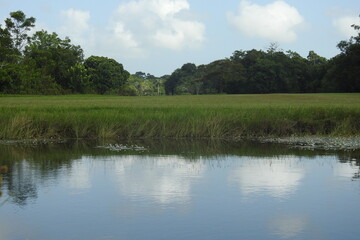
x,y
43,63
272,71
46,64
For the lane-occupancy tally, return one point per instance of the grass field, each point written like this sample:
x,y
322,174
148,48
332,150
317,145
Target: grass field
x,y
207,116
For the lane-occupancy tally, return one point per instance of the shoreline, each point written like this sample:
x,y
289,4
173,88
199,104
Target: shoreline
x,y
300,142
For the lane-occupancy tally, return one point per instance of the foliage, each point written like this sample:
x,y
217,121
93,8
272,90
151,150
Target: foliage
x,y
26,79
183,80
8,52
19,25
253,71
105,74
46,64
343,74
57,58
272,71
142,84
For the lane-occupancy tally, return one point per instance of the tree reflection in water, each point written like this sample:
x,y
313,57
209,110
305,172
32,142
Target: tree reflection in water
x,y
29,165
3,169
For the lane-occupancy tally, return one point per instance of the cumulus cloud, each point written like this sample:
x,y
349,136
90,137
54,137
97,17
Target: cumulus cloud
x,y
277,21
111,40
343,25
135,28
179,34
158,23
76,21
161,8
119,33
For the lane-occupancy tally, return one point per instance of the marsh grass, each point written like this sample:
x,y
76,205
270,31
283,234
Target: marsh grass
x,y
214,116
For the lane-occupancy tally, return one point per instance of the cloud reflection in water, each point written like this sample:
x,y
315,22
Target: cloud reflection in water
x,y
287,226
79,176
275,177
165,180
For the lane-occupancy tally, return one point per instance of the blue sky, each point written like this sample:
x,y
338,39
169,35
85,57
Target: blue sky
x,y
158,36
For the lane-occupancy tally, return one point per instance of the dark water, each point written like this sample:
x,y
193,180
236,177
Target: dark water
x,y
177,190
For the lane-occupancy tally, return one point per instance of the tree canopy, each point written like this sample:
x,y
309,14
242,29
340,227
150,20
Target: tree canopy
x,y
44,63
272,71
105,74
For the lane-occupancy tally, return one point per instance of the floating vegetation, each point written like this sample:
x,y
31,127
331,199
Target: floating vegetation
x,y
34,142
121,147
324,143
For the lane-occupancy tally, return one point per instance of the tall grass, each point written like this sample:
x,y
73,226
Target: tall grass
x,y
216,116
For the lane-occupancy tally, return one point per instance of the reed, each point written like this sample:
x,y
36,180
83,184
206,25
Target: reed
x,y
210,116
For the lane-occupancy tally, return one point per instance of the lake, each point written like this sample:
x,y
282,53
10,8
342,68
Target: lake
x,y
177,190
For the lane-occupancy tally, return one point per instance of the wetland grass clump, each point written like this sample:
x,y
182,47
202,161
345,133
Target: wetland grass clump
x,y
214,116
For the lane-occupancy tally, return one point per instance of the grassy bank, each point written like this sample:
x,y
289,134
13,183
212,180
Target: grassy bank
x,y
214,116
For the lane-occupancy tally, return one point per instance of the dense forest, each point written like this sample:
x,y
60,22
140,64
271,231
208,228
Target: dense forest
x,y
43,63
272,71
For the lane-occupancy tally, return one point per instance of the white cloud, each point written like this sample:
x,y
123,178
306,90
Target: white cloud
x,y
179,34
157,23
343,25
161,8
76,26
135,28
277,21
124,36
111,41
76,22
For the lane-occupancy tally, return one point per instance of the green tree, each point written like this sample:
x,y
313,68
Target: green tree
x,y
19,26
105,74
343,73
79,79
8,53
317,67
224,76
172,82
181,81
144,84
57,58
26,79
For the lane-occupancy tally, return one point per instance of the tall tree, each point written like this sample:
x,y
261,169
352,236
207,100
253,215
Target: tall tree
x,y
19,26
8,52
105,74
56,57
343,74
182,80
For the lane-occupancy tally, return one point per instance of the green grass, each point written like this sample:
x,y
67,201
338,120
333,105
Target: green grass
x,y
208,116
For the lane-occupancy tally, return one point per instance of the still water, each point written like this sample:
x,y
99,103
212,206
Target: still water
x,y
177,190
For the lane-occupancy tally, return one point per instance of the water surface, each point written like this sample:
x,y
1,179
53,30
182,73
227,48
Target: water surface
x,y
177,190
